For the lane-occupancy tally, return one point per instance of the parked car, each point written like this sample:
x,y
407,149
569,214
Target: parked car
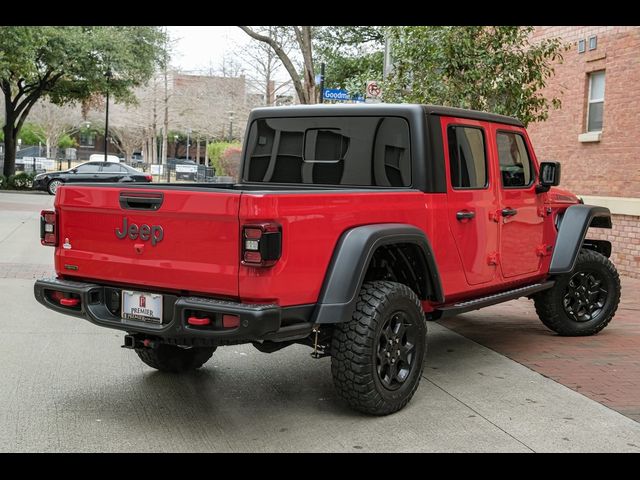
x,y
90,172
186,170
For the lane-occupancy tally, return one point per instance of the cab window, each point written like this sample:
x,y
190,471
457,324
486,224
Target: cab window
x,y
467,157
515,164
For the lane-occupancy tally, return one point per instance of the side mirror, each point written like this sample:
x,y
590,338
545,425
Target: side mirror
x,y
549,176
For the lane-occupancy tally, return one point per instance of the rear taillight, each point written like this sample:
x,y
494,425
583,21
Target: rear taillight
x,y
261,244
48,228
149,178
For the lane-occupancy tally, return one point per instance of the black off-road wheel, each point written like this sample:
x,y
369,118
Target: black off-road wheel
x,y
584,301
174,359
377,357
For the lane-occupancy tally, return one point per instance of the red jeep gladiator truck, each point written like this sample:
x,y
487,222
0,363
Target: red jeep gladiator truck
x,y
350,226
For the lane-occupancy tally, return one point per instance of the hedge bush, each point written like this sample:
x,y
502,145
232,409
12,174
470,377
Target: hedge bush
x,y
216,151
19,181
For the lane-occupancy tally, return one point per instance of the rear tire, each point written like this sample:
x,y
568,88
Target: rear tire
x,y
52,188
174,359
377,357
583,301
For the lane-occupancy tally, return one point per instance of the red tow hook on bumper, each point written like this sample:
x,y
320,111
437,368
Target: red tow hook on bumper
x,y
70,302
200,322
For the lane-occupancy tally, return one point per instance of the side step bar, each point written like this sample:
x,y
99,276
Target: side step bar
x,y
469,305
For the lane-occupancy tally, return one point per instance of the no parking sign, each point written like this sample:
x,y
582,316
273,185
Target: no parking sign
x,y
373,92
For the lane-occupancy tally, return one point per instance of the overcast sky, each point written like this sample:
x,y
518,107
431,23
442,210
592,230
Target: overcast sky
x,y
199,48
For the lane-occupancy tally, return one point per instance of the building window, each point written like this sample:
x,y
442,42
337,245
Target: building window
x,y
581,46
87,139
593,42
595,109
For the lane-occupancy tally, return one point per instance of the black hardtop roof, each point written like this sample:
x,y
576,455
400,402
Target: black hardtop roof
x,y
402,109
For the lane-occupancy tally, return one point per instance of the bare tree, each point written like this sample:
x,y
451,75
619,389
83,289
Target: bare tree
x,y
305,86
55,122
129,139
264,65
207,105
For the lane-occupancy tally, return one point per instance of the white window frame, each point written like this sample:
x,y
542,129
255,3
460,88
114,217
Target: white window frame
x,y
597,100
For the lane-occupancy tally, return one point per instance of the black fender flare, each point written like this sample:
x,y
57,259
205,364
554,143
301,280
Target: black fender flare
x,y
571,234
351,257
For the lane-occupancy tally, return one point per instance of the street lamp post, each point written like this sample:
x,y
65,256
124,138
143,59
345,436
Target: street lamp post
x,y
230,126
188,141
108,74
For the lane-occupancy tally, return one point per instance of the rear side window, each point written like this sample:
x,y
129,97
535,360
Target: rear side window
x,y
88,168
467,157
111,168
515,164
358,151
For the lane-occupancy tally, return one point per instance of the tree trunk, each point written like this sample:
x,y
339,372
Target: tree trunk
x,y
9,150
206,152
48,147
198,150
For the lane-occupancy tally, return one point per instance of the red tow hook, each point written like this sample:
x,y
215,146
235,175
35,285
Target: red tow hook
x,y
198,321
70,302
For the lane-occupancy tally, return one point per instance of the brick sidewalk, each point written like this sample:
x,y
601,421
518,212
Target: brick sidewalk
x,y
604,367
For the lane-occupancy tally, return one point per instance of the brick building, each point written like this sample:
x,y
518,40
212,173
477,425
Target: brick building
x,y
595,133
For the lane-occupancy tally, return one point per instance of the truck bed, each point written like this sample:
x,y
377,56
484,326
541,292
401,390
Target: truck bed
x,y
199,252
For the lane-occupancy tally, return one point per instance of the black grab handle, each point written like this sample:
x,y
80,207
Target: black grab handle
x,y
141,201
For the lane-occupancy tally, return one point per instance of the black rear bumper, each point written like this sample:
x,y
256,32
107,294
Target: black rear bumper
x,y
257,322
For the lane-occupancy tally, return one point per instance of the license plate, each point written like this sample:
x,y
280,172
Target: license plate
x,y
141,306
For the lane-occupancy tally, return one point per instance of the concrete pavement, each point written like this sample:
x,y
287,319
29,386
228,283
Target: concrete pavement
x,y
65,385
605,367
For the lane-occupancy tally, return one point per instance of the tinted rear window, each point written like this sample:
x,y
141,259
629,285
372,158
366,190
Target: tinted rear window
x,y
359,151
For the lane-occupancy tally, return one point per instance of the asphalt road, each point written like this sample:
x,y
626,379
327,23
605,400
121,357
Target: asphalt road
x,y
66,385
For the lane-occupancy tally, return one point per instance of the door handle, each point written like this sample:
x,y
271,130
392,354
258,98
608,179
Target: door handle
x,y
465,215
509,212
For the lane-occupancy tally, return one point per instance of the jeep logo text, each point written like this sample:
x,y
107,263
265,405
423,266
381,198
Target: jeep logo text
x,y
144,232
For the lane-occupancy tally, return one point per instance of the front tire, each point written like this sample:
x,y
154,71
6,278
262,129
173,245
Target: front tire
x,y
174,359
583,301
52,188
377,357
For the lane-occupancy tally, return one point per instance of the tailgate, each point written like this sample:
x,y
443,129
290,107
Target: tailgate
x,y
182,240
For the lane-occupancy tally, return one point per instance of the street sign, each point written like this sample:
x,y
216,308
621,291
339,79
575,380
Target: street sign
x,y
336,94
373,92
339,95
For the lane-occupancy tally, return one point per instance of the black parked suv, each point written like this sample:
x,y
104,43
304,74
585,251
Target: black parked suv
x,y
89,172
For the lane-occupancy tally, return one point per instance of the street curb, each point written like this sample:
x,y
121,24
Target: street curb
x,y
31,192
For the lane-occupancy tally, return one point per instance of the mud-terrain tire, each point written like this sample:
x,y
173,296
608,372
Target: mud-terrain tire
x,y
377,357
583,301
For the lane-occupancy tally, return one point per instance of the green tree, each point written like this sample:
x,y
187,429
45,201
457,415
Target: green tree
x,y
32,134
352,54
494,69
68,64
67,142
